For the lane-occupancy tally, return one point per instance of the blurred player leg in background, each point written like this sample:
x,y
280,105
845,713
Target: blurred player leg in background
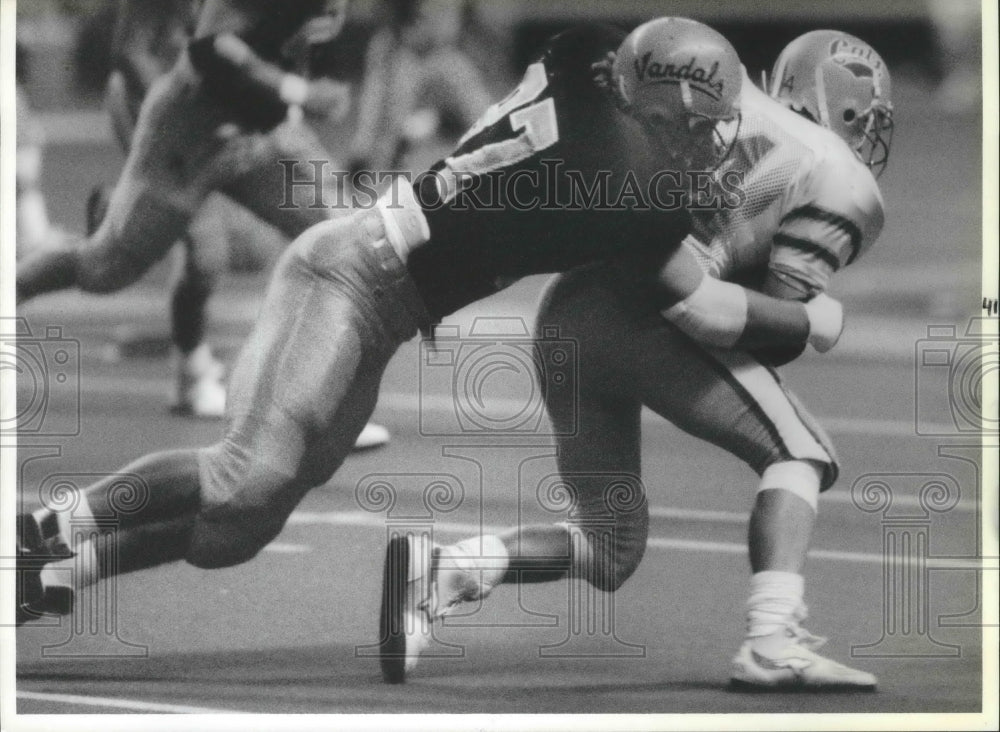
x,y
33,229
416,80
187,144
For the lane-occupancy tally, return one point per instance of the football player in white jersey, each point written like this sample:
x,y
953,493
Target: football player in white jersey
x,y
809,206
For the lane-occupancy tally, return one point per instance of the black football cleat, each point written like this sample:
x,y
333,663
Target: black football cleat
x,y
34,599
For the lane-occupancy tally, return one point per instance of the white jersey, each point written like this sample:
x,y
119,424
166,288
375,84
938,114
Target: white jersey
x,y
808,205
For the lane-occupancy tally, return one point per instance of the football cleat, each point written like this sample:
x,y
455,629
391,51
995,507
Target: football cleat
x,y
422,582
201,391
787,661
373,435
34,599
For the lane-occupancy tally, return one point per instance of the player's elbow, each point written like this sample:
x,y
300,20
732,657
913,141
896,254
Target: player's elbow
x,y
715,314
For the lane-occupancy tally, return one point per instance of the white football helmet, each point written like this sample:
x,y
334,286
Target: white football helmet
x,y
842,84
682,80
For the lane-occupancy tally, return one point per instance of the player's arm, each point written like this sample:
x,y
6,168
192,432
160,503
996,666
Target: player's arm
x,y
142,28
725,315
227,60
838,215
371,99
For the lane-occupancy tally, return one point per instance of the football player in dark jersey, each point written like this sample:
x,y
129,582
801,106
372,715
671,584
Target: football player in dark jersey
x,y
350,290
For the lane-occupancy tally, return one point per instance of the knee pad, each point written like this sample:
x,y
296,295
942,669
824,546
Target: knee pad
x,y
800,477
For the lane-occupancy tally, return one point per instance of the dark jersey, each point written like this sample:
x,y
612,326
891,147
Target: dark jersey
x,y
551,177
267,26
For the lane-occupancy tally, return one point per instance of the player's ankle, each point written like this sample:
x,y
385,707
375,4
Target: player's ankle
x,y
472,567
775,599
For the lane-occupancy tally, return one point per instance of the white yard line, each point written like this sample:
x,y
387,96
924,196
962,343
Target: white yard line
x,y
116,703
357,518
278,547
445,404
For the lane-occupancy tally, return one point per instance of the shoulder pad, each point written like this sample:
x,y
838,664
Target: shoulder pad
x,y
843,186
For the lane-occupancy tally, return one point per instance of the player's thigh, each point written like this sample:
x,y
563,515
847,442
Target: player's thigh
x,y
161,185
289,180
585,307
597,420
727,398
176,139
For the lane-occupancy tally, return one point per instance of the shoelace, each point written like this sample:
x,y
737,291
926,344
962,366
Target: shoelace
x,y
804,638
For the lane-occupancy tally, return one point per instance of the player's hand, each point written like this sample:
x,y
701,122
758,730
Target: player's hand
x,y
826,322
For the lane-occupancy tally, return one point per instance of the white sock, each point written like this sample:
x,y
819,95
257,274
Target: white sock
x,y
774,597
199,362
473,567
78,572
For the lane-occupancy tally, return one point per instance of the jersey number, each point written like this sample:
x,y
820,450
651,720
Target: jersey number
x,y
537,124
535,81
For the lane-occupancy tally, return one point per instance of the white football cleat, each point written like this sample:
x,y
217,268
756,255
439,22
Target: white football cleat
x,y
787,660
373,435
422,582
201,391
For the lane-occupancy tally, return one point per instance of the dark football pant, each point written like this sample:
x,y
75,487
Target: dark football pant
x,y
630,357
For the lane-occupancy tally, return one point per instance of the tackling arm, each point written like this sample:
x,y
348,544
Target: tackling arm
x,y
261,90
725,315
